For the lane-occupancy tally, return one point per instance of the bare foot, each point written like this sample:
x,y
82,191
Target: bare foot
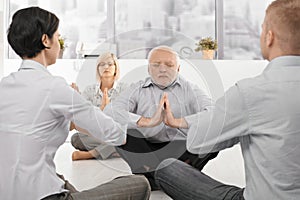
x,y
115,155
81,155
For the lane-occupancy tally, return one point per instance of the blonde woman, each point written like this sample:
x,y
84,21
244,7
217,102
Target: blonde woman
x,y
100,94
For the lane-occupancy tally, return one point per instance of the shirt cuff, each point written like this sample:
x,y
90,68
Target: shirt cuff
x,y
133,118
191,119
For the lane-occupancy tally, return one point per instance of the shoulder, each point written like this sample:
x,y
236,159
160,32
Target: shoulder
x,y
57,80
140,84
182,81
121,86
187,85
252,90
135,89
250,83
59,87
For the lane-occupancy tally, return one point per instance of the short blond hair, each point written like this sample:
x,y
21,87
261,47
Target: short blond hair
x,y
103,57
283,18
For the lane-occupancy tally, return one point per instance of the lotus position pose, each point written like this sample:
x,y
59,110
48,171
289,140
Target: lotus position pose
x,y
100,94
150,138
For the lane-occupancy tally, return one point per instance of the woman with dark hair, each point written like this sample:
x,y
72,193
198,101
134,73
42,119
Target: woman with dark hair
x,y
35,113
100,94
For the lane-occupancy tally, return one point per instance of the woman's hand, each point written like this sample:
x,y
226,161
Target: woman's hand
x,y
75,87
105,99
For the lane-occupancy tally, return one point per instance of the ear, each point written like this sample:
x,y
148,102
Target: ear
x,y
178,68
270,38
45,40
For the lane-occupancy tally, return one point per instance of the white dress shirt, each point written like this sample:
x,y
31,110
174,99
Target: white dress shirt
x,y
35,113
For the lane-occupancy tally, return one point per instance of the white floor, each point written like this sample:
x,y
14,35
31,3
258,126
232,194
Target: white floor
x,y
227,167
90,173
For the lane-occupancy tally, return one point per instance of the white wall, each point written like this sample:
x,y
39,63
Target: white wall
x,y
213,76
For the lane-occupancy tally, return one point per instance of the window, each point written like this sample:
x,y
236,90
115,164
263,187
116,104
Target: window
x,y
141,25
80,22
242,27
130,28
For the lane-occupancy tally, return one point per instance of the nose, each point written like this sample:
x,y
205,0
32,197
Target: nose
x,y
162,68
104,67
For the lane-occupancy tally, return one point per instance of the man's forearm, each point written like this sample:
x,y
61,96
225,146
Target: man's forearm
x,y
143,122
178,123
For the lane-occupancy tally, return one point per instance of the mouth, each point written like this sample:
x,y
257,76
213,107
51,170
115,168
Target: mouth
x,y
162,76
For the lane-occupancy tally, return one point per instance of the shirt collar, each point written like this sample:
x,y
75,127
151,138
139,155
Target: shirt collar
x,y
149,82
31,64
284,61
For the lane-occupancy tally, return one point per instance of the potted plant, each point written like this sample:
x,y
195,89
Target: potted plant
x,y
208,46
62,46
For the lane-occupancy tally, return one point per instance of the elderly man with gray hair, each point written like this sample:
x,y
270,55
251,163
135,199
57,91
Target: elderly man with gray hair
x,y
152,138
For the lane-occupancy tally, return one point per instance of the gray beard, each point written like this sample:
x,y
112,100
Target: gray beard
x,y
162,86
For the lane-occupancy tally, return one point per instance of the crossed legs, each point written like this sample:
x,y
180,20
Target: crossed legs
x,y
181,181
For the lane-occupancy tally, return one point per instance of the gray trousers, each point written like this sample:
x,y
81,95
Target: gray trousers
x,y
181,181
122,188
85,142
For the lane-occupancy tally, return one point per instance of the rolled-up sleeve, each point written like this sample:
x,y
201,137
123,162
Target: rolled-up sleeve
x,y
220,126
66,102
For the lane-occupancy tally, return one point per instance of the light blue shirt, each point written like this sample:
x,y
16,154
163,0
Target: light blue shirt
x,y
35,113
141,99
263,114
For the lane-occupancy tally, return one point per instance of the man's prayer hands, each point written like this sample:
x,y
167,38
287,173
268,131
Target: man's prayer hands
x,y
163,114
